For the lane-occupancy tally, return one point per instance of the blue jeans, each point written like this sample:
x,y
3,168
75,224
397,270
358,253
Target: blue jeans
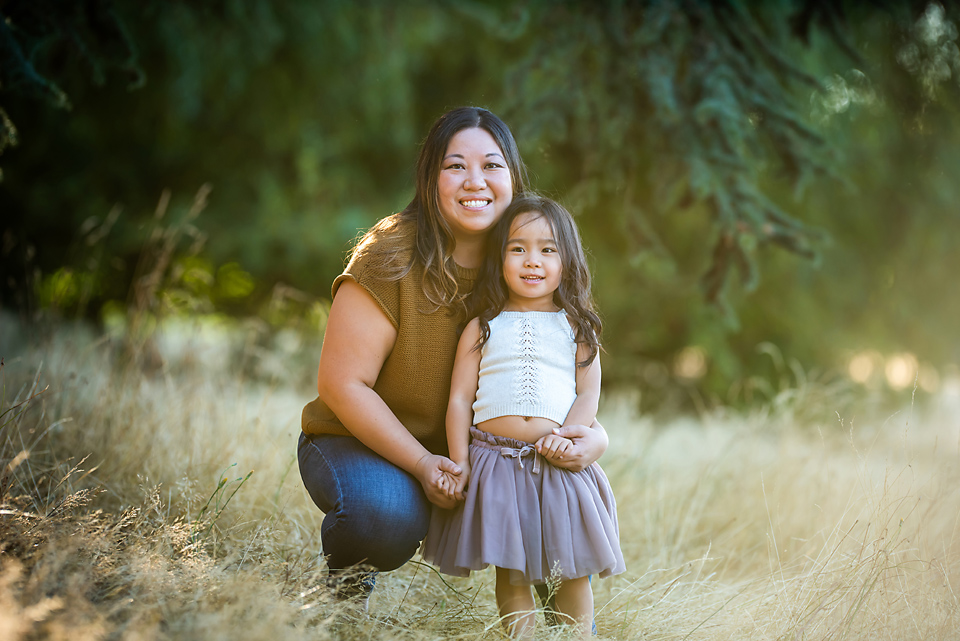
x,y
375,512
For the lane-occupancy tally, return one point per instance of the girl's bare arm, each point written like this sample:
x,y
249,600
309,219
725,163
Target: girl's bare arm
x,y
463,392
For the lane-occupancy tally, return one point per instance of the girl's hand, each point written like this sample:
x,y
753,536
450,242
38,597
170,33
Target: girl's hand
x,y
431,471
448,484
589,444
460,487
553,447
454,485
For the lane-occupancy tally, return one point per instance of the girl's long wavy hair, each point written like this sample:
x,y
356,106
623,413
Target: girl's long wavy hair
x,y
573,295
421,220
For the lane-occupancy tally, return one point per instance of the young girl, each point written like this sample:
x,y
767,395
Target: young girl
x,y
528,364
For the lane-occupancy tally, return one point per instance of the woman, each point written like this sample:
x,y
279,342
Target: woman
x,y
373,447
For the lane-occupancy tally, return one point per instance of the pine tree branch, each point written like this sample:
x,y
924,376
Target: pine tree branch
x,y
20,75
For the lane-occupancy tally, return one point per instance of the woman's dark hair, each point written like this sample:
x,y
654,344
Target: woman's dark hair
x,y
434,241
573,295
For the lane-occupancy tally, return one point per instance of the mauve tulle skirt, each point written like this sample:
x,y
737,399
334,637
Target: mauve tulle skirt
x,y
523,514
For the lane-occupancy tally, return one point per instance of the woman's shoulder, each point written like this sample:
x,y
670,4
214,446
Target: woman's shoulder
x,y
384,253
389,242
379,261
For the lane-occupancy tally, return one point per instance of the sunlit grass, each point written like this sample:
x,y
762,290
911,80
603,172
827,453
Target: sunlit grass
x,y
133,513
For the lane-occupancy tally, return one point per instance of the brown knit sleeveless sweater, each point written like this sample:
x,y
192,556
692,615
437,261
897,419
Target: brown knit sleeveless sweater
x,y
414,381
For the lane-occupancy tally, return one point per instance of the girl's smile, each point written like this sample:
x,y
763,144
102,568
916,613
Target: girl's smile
x,y
532,266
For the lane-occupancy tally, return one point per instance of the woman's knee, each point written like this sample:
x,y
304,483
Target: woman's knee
x,y
375,512
382,529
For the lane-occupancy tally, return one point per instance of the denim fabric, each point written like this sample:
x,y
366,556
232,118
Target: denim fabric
x,y
374,512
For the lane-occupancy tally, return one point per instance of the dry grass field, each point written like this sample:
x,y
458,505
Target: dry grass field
x,y
128,510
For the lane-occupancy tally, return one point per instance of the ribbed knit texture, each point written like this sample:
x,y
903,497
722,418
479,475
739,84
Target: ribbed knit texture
x,y
527,367
414,381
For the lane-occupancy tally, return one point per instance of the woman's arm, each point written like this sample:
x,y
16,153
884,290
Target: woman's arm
x,y
584,409
358,339
589,443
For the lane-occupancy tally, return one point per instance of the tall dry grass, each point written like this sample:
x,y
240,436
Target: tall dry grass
x,y
128,512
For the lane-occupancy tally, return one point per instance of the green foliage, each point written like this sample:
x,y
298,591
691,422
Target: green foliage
x,y
36,33
690,138
686,100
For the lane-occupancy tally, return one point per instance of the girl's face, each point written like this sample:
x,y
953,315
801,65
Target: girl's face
x,y
474,186
532,265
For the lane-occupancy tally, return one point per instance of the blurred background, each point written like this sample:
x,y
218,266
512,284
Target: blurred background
x,y
767,190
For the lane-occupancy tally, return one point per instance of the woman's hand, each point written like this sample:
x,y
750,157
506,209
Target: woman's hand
x,y
589,444
434,473
454,486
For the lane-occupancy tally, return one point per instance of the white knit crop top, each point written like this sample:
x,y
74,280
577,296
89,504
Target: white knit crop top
x,y
527,367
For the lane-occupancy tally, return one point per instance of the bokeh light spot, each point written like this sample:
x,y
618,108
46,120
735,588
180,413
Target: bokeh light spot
x,y
690,363
901,370
860,367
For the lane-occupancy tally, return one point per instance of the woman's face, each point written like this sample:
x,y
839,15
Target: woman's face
x,y
474,186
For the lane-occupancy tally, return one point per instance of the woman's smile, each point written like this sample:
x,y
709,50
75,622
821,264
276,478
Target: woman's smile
x,y
475,203
474,186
